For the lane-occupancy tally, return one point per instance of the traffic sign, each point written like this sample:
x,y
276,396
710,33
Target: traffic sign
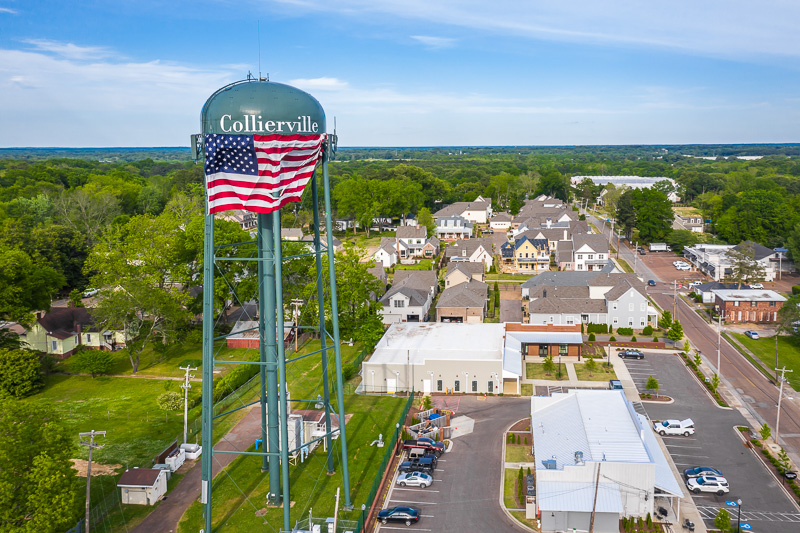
x,y
731,503
746,526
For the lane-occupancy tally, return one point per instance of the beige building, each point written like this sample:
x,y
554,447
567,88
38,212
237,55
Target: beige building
x,y
464,302
60,331
143,486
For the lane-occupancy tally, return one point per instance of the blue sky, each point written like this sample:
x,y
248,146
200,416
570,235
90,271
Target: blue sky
x,y
408,72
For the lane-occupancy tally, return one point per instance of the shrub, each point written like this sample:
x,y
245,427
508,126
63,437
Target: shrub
x,y
625,331
795,289
519,440
765,432
526,443
20,373
592,338
648,330
655,339
612,338
170,401
633,339
92,362
590,365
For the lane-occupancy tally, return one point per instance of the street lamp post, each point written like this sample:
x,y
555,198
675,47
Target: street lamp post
x,y
739,518
719,340
780,397
397,436
363,511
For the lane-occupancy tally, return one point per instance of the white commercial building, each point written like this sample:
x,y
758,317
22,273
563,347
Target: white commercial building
x,y
593,452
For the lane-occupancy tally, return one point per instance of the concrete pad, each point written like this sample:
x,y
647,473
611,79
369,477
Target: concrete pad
x,y
462,425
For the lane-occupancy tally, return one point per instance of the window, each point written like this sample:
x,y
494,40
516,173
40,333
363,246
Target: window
x,y
457,386
543,350
580,266
614,306
630,321
772,304
736,304
474,386
54,345
641,322
630,307
563,349
580,257
77,339
88,337
464,253
590,257
643,307
439,385
616,320
601,256
753,304
570,320
399,303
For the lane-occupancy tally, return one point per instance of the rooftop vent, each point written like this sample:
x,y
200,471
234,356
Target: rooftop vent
x,y
578,458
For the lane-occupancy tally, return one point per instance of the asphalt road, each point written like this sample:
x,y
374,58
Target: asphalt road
x,y
466,488
716,443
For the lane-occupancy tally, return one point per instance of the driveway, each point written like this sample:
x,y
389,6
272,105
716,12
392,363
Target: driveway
x,y
716,443
466,488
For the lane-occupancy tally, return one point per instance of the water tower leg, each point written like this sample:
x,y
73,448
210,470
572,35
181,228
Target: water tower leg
x,y
208,370
323,334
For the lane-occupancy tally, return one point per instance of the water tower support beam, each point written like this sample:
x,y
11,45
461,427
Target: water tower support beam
x,y
208,370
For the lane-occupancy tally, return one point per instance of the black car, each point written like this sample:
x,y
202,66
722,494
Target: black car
x,y
422,464
789,474
409,515
631,354
701,471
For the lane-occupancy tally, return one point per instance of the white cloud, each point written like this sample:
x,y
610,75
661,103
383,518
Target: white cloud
x,y
70,50
435,42
8,10
735,29
319,84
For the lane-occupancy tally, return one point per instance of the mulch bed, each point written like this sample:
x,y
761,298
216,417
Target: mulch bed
x,y
522,425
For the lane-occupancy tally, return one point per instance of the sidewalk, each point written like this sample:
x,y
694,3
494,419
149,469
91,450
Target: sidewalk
x,y
164,519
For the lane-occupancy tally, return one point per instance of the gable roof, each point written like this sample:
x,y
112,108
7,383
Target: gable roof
x,y
63,322
291,232
759,251
470,294
459,207
139,477
566,292
501,217
422,279
541,244
610,279
465,267
412,232
596,242
622,288
470,245
562,278
567,305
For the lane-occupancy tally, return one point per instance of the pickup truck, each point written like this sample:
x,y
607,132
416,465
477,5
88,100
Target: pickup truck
x,y
423,464
674,427
427,444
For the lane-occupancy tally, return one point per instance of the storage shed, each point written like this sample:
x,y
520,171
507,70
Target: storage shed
x,y
143,486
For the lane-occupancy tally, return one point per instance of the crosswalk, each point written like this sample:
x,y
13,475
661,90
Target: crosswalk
x,y
709,512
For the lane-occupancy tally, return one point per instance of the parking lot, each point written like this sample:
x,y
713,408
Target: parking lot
x,y
465,492
660,263
716,443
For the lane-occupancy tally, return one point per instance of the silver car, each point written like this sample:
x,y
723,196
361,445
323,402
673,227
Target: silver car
x,y
414,479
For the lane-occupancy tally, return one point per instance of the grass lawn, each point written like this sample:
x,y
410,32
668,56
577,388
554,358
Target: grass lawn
x,y
526,389
536,371
624,264
520,516
509,277
241,490
518,453
510,488
788,354
601,373
424,264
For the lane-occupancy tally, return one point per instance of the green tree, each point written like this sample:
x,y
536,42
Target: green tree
x,y
626,212
784,461
723,520
94,362
39,489
425,219
744,268
652,384
665,322
548,365
714,382
789,315
24,285
590,365
553,183
765,432
675,333
20,373
653,214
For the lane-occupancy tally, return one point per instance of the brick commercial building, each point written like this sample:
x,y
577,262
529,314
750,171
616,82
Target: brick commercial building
x,y
748,305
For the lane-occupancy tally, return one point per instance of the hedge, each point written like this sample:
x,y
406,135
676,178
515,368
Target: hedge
x,y
648,330
237,377
702,379
596,328
795,289
625,331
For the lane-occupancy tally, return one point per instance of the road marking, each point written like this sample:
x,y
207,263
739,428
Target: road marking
x,y
691,455
415,488
418,503
405,528
679,446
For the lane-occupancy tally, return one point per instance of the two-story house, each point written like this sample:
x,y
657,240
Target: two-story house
x,y
410,297
459,272
477,212
530,255
589,253
414,238
693,223
62,330
463,303
472,251
453,227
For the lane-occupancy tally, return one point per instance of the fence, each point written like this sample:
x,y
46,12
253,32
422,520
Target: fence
x,y
387,458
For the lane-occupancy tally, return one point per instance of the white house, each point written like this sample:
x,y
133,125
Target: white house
x,y
410,298
595,455
414,238
472,250
477,212
143,486
501,221
714,259
453,227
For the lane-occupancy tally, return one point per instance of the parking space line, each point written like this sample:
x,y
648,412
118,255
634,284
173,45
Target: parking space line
x,y
418,503
679,446
415,489
406,528
691,455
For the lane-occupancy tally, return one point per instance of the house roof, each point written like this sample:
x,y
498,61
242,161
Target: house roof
x,y
14,327
470,294
759,251
63,322
433,241
748,295
422,279
573,305
411,232
598,243
622,288
501,217
562,279
564,292
470,245
323,238
611,279
378,271
541,244
459,207
291,232
139,477
466,267
714,285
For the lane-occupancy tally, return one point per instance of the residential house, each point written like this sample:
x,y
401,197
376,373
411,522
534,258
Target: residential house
x,y
569,298
246,219
387,254
380,274
597,460
589,253
693,223
748,305
453,227
501,221
410,219
477,212
414,239
465,302
342,224
431,248
715,261
382,223
337,244
62,330
562,279
529,255
462,272
410,297
291,234
472,250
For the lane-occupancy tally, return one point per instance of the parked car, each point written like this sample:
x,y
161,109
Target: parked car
x,y
417,453
423,464
651,282
718,485
752,334
683,267
699,471
414,479
641,251
756,286
614,384
424,443
694,284
675,427
408,515
436,443
789,474
631,354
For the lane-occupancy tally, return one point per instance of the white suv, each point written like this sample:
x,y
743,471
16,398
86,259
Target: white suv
x,y
675,427
718,485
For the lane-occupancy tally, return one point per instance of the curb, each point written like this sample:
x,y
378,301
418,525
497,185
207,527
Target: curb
x,y
763,463
500,499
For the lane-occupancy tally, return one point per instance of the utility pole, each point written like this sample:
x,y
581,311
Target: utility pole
x,y
783,372
296,303
719,339
635,256
674,300
594,503
186,386
91,445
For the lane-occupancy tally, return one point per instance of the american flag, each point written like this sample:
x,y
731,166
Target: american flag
x,y
258,173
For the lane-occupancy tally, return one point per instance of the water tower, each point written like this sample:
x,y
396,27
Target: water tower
x,y
261,145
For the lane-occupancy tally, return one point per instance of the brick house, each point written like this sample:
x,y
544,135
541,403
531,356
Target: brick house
x,y
748,305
